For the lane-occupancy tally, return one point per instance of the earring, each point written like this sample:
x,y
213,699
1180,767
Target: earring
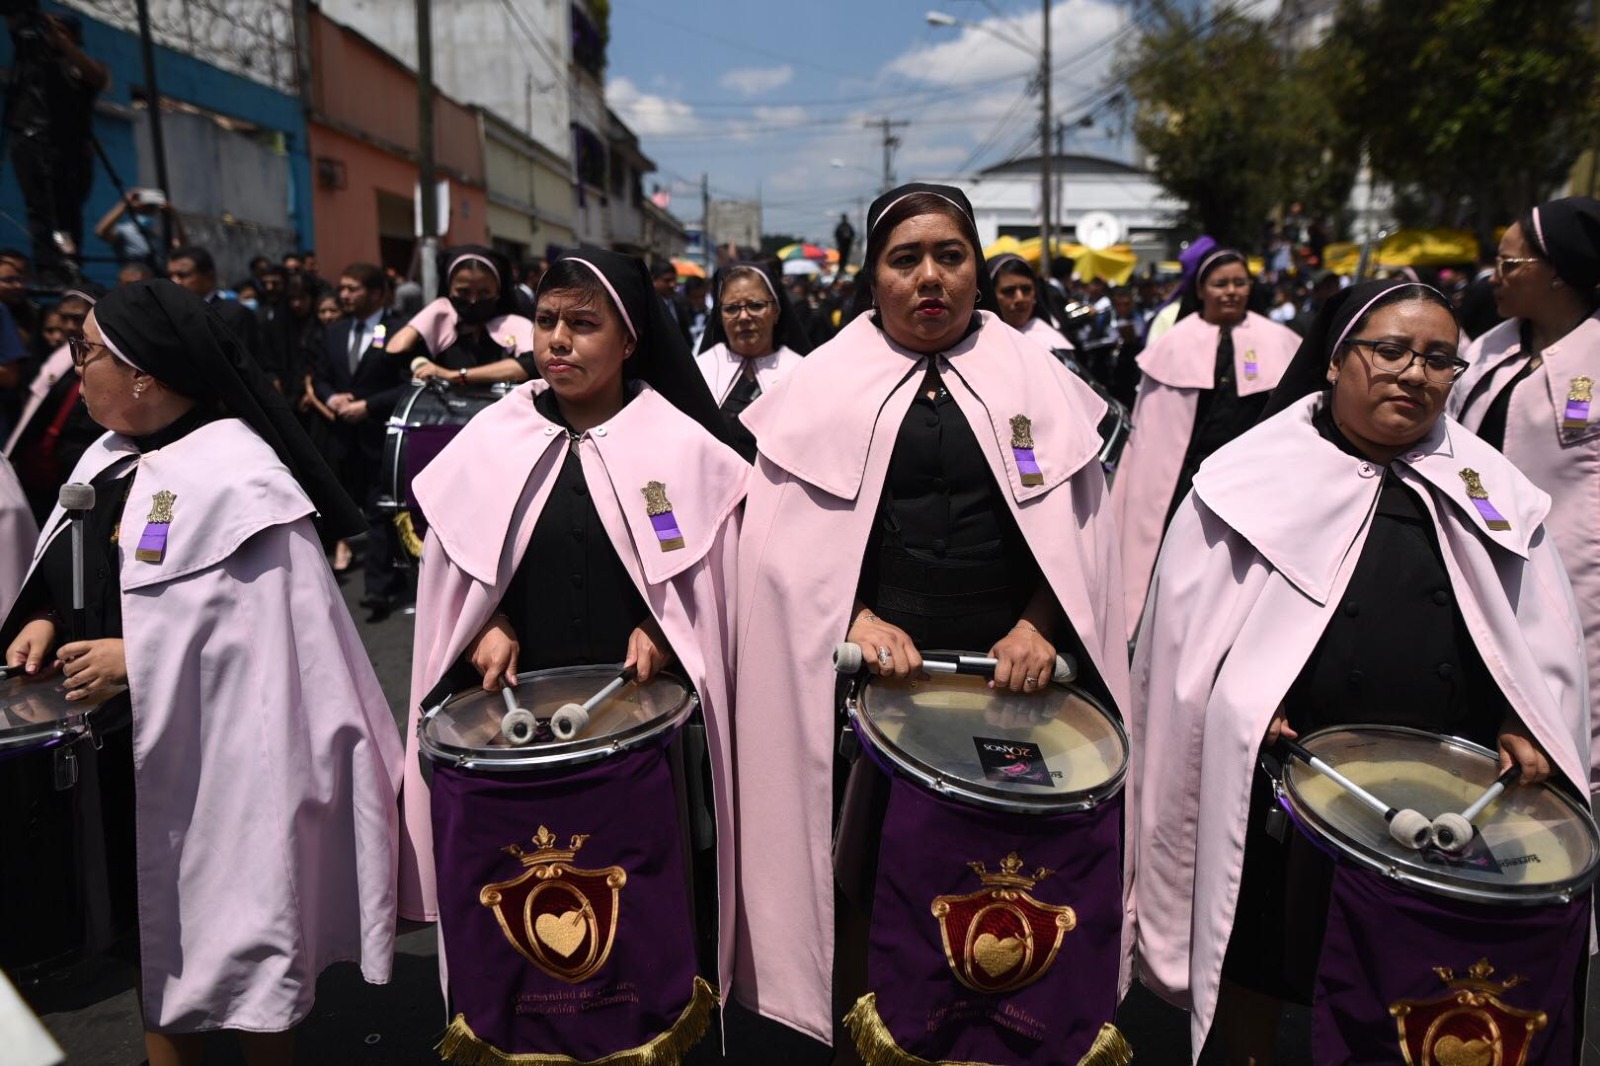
x,y
138,389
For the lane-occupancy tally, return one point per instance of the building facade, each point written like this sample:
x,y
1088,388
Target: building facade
x,y
530,197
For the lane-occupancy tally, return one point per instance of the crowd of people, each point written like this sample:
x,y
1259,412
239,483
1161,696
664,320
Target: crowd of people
x,y
1355,517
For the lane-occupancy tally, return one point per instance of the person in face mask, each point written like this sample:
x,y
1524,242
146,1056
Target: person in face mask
x,y
471,334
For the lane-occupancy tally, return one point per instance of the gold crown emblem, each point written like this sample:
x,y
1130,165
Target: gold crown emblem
x,y
545,849
1009,875
1477,978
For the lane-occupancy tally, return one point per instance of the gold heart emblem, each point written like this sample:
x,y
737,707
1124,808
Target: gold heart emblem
x,y
995,956
563,932
1453,1051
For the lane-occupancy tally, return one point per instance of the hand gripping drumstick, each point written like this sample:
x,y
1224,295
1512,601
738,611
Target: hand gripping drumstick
x,y
1451,832
1408,827
567,722
518,726
847,660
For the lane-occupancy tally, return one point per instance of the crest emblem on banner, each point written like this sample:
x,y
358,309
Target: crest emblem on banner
x,y
1002,939
558,917
1471,1026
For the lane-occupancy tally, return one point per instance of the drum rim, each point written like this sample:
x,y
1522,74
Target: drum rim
x,y
931,780
554,755
1511,895
44,735
389,502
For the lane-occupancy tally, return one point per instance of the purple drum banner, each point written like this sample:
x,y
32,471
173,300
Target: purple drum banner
x,y
566,915
1430,981
995,937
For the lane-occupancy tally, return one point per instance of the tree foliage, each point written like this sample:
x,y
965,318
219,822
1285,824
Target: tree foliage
x,y
1233,125
1472,109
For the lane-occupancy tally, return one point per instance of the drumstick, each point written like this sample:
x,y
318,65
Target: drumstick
x,y
847,659
1408,827
518,726
1451,832
569,721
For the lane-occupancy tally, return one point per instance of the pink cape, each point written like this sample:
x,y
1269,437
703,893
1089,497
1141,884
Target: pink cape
x,y
1041,332
826,433
483,496
1563,461
57,366
436,323
17,535
720,365
1256,560
266,760
1176,368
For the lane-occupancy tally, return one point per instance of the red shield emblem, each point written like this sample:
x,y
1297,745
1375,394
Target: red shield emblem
x,y
560,918
1001,939
1471,1026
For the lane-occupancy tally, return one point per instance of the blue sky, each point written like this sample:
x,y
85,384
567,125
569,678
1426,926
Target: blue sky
x,y
766,95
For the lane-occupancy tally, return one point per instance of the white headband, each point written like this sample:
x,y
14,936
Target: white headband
x,y
1538,233
1205,264
473,257
890,205
745,268
615,299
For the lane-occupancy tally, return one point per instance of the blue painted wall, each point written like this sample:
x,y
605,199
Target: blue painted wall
x,y
179,77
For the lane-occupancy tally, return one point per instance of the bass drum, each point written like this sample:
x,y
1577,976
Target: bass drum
x,y
427,419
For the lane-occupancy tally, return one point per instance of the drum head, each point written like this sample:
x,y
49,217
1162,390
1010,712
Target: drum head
x,y
465,729
1535,844
37,711
1048,753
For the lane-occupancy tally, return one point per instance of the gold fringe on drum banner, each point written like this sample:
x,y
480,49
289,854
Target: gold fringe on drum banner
x,y
462,1046
408,535
877,1045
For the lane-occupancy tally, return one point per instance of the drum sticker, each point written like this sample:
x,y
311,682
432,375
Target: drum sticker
x,y
1579,397
380,335
1480,499
659,508
1474,855
1022,450
153,542
1251,368
558,917
1002,939
1013,761
1471,1026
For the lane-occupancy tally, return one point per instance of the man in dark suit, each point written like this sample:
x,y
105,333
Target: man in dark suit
x,y
361,381
665,278
195,270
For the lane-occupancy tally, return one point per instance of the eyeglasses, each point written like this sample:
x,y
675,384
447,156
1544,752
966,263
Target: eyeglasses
x,y
83,351
755,307
1501,262
1391,357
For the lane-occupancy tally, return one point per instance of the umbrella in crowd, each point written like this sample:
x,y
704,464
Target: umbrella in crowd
x,y
791,252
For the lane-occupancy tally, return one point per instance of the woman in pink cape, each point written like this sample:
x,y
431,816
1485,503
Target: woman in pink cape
x,y
926,444
1530,388
1355,558
472,334
1016,289
264,759
752,339
543,551
1205,382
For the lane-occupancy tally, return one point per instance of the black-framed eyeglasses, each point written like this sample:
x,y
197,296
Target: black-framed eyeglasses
x,y
755,307
1501,262
83,351
1392,357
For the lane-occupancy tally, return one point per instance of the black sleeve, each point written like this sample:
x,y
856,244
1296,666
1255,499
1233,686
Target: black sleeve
x,y
381,402
321,370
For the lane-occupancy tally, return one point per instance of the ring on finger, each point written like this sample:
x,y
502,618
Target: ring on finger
x,y
1030,681
884,655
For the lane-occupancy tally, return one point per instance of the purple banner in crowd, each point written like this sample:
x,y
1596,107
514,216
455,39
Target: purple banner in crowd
x,y
1409,978
995,937
565,912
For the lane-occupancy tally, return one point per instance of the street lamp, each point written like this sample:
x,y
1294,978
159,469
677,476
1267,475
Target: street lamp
x,y
939,18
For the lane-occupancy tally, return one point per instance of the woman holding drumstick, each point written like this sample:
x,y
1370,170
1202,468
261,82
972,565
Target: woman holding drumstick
x,y
1354,558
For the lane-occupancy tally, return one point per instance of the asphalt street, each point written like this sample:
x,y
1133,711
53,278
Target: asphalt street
x,y
93,1012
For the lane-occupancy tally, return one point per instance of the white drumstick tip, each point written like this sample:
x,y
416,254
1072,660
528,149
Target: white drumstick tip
x,y
847,658
516,725
569,721
1410,829
1450,832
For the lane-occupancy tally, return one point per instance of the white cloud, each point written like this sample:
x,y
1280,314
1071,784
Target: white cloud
x,y
752,81
648,113
780,116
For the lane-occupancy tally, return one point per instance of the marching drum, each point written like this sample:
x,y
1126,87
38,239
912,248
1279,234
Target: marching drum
x,y
1429,955
423,422
1117,423
66,841
565,903
981,834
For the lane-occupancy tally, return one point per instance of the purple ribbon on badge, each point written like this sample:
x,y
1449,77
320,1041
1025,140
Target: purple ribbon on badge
x,y
659,508
1480,499
1579,397
1022,450
153,541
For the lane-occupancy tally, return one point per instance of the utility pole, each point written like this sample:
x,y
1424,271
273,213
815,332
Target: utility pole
x,y
1058,222
705,222
428,196
890,143
158,145
1044,148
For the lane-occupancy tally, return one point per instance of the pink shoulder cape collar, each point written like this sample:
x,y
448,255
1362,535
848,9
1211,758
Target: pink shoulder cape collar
x,y
1302,502
470,493
436,323
818,423
1173,361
